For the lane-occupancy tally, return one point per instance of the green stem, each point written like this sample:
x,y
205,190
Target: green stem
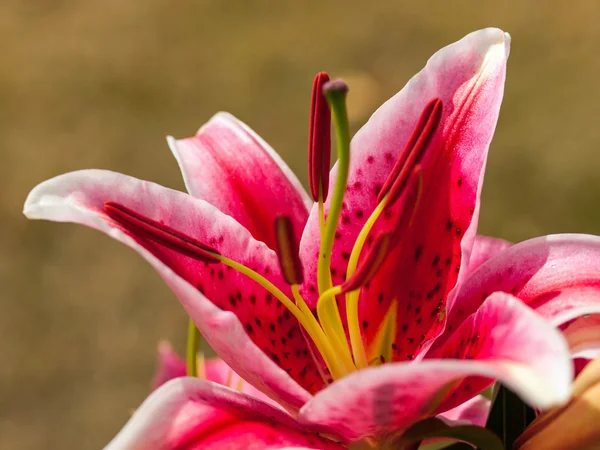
x,y
193,346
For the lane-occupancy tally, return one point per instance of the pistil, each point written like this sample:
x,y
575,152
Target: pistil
x,y
329,316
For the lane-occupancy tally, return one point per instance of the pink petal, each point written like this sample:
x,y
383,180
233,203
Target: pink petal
x,y
170,365
558,276
468,77
484,248
219,372
472,412
505,340
231,167
583,336
241,318
505,329
193,414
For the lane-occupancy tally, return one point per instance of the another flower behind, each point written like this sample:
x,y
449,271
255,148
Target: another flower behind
x,y
573,426
170,366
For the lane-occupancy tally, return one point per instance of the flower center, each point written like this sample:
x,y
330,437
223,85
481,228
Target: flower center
x,y
401,190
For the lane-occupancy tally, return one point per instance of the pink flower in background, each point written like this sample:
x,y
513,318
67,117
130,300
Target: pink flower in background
x,y
390,312
171,366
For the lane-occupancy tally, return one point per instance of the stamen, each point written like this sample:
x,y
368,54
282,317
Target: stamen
x,y
319,140
287,250
160,233
229,378
326,308
240,384
154,231
411,200
370,265
327,346
365,272
413,151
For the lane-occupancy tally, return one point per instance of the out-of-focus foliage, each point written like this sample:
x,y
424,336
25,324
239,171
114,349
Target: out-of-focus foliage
x,y
99,84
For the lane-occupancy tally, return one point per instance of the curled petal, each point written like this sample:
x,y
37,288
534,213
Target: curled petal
x,y
557,275
583,336
472,412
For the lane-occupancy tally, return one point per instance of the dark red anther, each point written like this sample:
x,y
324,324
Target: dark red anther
x,y
287,250
370,264
152,230
319,140
412,196
413,151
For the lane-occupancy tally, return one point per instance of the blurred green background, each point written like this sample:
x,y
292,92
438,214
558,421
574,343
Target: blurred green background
x,y
99,84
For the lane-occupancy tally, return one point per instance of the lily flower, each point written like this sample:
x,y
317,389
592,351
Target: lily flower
x,y
370,304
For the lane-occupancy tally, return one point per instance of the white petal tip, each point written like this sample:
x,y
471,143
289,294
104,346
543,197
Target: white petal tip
x,y
172,143
507,40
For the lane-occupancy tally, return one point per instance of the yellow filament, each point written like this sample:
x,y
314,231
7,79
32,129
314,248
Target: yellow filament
x,y
358,348
316,334
323,343
229,377
240,384
333,328
384,339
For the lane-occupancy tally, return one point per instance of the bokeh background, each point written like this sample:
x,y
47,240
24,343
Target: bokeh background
x,y
99,84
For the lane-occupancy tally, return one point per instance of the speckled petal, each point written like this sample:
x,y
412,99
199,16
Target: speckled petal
x,y
241,321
